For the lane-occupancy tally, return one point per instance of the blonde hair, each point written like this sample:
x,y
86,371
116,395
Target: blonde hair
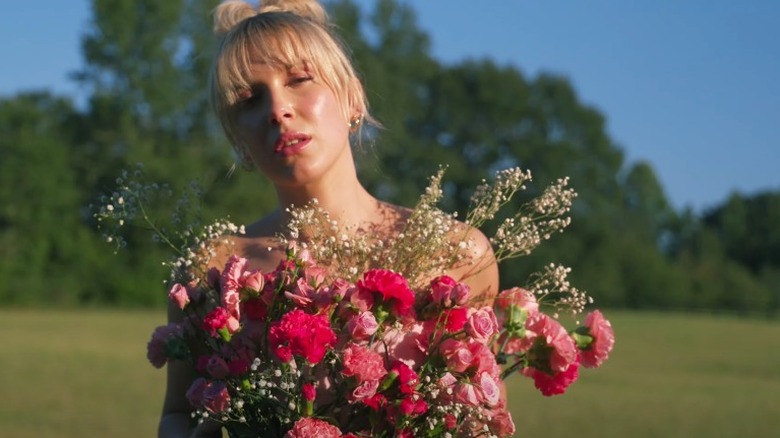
x,y
282,34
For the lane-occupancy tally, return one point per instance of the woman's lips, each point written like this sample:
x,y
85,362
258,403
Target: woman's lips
x,y
291,144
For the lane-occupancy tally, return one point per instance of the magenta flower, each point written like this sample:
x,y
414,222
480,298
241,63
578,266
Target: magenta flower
x,y
299,333
603,340
391,286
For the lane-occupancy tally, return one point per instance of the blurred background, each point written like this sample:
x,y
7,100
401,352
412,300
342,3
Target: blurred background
x,y
663,115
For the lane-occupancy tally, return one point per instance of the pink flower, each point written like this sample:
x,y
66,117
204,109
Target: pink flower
x,y
447,292
455,319
407,344
457,354
407,378
556,383
465,393
488,386
230,283
308,391
501,423
481,324
362,326
302,293
360,299
362,363
518,297
216,398
484,361
179,296
391,286
217,367
253,281
309,427
364,391
550,333
219,319
157,346
412,406
302,334
195,392
603,340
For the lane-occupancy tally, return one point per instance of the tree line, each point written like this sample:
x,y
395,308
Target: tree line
x,y
144,75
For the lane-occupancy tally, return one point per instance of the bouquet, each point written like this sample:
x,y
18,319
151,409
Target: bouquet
x,y
352,336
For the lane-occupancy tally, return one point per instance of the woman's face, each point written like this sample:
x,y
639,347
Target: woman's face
x,y
291,125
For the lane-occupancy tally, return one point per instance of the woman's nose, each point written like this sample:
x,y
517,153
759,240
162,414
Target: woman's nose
x,y
281,108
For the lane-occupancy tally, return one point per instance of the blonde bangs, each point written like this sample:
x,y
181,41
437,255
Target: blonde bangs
x,y
282,40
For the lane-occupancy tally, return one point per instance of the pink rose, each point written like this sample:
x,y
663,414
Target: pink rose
x,y
302,293
408,344
491,393
362,326
216,398
179,296
518,297
362,363
457,354
465,393
309,427
603,340
481,324
253,281
230,283
447,292
484,361
364,391
501,424
361,300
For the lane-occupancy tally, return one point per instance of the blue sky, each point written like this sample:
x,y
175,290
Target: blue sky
x,y
693,86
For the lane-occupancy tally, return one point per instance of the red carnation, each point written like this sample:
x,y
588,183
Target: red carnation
x,y
392,286
299,333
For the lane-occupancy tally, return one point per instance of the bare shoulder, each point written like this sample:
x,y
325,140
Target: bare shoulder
x,y
479,268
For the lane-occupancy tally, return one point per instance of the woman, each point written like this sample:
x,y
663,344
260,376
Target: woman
x,y
289,100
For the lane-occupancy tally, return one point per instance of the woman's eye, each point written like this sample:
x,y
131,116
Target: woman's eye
x,y
250,100
299,80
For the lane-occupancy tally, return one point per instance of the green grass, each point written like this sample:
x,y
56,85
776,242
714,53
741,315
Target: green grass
x,y
84,373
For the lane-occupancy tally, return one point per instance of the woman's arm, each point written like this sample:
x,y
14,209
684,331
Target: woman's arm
x,y
176,420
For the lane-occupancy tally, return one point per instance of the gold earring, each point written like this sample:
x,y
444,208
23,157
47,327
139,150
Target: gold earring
x,y
354,123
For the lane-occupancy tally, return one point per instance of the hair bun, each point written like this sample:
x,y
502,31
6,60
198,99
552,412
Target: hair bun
x,y
229,13
310,9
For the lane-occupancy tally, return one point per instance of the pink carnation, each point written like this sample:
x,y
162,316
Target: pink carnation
x,y
362,363
556,383
391,286
156,348
312,427
550,333
219,319
302,334
603,340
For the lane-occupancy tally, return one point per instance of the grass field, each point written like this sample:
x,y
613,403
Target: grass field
x,y
84,374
